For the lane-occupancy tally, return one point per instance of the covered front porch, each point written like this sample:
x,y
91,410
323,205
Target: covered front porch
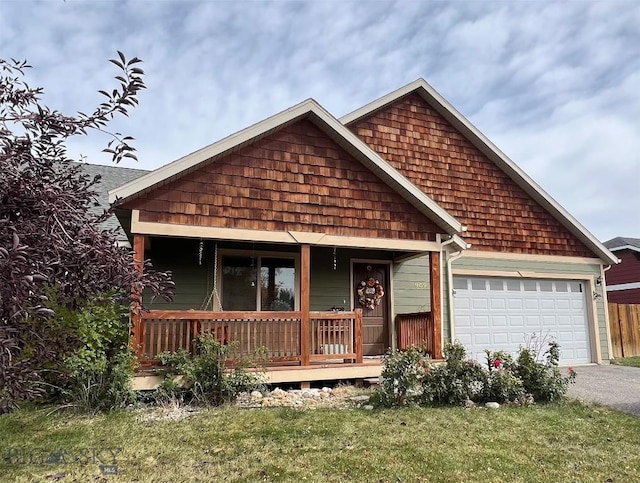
x,y
307,321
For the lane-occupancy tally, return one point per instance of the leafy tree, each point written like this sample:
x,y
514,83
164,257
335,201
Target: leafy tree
x,y
49,241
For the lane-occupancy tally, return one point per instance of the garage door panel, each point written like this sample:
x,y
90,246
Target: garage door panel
x,y
580,354
479,304
463,303
499,314
498,304
481,321
532,304
533,322
463,321
580,337
482,340
499,321
465,339
517,339
577,304
565,321
515,304
547,304
565,337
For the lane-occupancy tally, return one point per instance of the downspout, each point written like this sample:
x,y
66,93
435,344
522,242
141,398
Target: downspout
x,y
454,256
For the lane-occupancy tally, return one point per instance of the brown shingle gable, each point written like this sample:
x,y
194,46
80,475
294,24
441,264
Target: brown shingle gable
x,y
296,178
431,153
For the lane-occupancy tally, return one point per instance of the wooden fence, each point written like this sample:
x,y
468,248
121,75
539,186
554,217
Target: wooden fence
x,y
624,324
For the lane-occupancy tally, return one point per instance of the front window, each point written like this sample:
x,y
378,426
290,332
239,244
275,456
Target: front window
x,y
258,283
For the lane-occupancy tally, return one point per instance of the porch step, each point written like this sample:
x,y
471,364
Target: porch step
x,y
372,381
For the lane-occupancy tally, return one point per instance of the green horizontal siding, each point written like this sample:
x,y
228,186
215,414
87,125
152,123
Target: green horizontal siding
x,y
181,257
329,287
541,267
194,282
412,286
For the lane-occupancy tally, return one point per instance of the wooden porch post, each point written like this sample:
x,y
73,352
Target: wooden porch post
x,y
136,297
305,302
436,304
358,336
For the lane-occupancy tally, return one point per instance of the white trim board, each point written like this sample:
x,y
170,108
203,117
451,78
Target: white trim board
x,y
289,237
623,286
529,257
520,274
625,247
473,134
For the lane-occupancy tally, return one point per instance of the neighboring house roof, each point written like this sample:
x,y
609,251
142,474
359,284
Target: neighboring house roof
x,y
480,141
110,177
623,243
315,113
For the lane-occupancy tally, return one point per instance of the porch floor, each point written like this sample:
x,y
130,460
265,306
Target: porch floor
x,y
330,370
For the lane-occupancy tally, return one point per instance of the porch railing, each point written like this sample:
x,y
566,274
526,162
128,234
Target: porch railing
x,y
336,335
272,336
416,329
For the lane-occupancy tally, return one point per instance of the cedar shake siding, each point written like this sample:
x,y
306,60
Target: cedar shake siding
x,y
431,153
294,179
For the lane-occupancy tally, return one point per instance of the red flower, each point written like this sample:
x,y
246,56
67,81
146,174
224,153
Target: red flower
x,y
497,363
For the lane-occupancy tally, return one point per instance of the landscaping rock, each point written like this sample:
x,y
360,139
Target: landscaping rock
x,y
492,405
340,397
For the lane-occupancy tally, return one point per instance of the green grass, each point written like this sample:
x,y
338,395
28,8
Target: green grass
x,y
627,361
571,442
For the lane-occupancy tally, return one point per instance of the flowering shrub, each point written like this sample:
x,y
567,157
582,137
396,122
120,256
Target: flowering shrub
x,y
454,382
543,379
402,377
410,377
502,385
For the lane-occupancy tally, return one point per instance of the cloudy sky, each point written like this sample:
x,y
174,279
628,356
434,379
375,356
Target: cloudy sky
x,y
555,85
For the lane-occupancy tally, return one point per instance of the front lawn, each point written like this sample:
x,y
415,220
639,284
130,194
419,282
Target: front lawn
x,y
627,361
571,442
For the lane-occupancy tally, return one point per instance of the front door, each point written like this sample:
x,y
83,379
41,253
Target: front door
x,y
375,321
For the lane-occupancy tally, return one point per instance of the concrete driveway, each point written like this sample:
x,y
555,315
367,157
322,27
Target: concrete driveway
x,y
614,386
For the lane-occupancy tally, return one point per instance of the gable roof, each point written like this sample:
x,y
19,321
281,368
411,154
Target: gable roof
x,y
110,178
480,141
315,113
623,243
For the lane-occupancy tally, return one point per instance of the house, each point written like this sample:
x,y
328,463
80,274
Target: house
x,y
110,178
326,241
623,280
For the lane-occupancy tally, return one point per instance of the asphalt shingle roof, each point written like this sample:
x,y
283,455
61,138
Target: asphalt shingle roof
x,y
620,241
110,177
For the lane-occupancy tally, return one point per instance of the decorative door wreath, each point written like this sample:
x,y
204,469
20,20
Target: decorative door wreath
x,y
370,293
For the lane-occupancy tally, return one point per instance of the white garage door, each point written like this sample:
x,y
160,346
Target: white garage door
x,y
500,314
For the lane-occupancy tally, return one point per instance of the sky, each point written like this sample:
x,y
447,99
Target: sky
x,y
555,85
